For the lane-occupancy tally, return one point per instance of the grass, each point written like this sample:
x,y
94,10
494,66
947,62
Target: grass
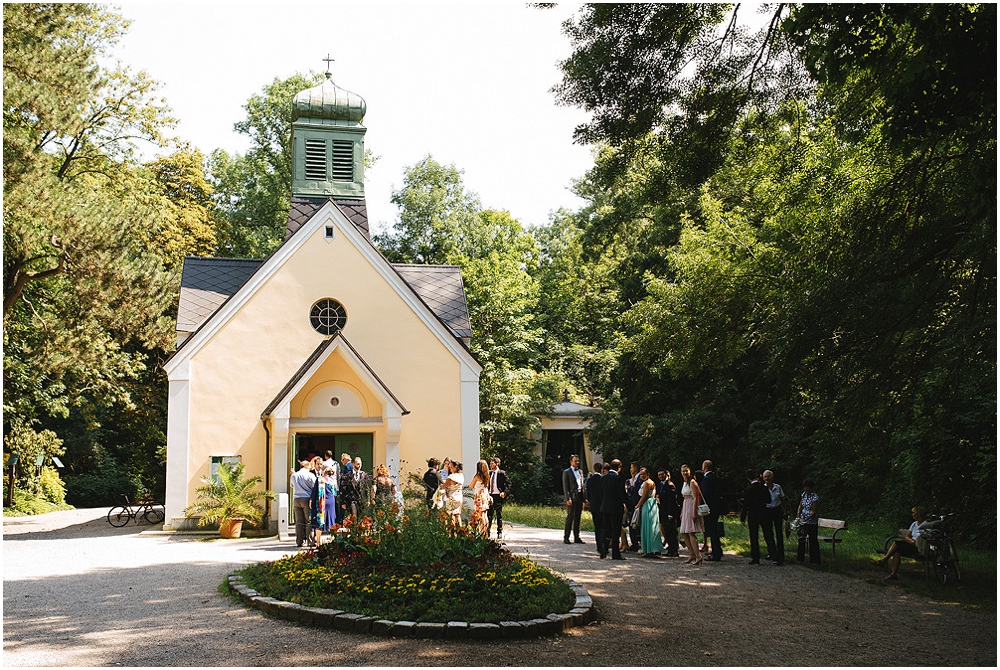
x,y
413,568
861,543
543,516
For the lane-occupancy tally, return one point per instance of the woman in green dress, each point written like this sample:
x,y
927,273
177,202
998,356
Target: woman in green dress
x,y
650,540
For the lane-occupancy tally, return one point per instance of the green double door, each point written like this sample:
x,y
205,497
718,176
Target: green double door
x,y
355,444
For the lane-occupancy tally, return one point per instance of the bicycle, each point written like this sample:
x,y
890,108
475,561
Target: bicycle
x,y
147,509
940,556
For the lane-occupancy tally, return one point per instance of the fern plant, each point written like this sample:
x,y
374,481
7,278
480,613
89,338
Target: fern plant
x,y
229,497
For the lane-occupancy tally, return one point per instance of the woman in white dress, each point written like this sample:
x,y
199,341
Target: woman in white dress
x,y
453,493
691,523
480,498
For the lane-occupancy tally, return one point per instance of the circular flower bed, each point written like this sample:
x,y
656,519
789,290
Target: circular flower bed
x,y
413,567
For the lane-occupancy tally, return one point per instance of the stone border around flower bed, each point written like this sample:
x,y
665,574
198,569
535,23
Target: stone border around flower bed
x,y
581,614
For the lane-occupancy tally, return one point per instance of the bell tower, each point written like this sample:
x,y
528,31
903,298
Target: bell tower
x,y
328,143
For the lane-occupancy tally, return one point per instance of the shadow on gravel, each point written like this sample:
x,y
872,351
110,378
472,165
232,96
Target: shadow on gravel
x,y
14,531
107,613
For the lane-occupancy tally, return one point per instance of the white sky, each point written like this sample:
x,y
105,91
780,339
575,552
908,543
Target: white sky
x,y
467,82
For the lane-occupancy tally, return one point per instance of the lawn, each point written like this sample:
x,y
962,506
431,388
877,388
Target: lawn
x,y
861,543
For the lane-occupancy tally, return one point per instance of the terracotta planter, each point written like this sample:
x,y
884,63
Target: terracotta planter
x,y
231,528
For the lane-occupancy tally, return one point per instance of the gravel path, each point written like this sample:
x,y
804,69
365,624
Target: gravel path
x,y
77,592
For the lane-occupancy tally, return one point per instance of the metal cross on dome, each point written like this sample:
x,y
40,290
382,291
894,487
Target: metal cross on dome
x,y
328,60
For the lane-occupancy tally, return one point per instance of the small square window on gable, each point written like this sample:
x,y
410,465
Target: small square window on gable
x,y
328,233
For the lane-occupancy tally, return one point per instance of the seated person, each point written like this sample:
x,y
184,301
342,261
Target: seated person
x,y
906,546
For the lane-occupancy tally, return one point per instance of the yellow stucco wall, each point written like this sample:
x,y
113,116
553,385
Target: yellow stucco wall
x,y
246,363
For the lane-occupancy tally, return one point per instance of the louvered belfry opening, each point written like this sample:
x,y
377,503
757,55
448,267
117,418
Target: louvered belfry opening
x,y
342,162
315,160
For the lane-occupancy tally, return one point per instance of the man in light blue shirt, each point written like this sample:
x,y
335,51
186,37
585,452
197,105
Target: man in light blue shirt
x,y
303,483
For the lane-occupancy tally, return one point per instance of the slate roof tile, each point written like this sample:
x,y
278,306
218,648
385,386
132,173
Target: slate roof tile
x,y
302,209
206,283
440,286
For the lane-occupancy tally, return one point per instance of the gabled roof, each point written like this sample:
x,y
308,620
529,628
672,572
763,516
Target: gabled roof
x,y
211,321
206,283
440,286
313,362
568,408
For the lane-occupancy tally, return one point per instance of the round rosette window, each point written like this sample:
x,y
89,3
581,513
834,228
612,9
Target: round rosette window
x,y
328,316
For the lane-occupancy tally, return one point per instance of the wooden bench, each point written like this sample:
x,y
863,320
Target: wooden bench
x,y
836,525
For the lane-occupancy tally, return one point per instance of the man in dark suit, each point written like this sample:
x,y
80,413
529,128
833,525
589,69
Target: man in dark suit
x,y
613,502
633,490
666,499
573,495
594,503
499,490
755,502
711,491
431,481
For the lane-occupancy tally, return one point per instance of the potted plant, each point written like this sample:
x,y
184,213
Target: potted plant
x,y
229,499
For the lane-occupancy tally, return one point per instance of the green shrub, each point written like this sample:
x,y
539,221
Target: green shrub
x,y
99,489
51,487
28,504
29,444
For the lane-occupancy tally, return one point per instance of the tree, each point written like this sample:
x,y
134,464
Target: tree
x,y
86,289
184,225
440,222
252,190
833,284
435,213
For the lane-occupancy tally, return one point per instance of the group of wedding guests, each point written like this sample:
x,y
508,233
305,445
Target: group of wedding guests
x,y
444,482
654,516
325,492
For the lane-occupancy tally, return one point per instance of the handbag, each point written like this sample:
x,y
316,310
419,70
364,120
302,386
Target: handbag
x,y
703,508
636,516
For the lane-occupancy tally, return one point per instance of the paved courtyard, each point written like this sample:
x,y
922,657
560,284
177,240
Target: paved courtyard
x,y
78,592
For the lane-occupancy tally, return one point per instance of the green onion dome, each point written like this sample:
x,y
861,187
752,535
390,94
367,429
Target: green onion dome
x,y
328,101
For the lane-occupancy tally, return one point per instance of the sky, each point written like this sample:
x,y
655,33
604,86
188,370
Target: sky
x,y
466,82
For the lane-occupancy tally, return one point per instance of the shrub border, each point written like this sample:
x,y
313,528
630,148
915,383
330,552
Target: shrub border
x,y
581,614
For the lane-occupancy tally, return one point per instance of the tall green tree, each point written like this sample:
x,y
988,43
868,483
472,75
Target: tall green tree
x,y
252,190
85,285
441,222
830,299
435,215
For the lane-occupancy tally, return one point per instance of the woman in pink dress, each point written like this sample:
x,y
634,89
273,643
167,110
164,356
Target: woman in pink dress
x,y
691,523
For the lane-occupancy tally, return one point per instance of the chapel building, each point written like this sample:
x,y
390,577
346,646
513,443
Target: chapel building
x,y
324,344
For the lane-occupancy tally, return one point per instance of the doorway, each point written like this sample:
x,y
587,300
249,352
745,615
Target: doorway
x,y
559,445
355,444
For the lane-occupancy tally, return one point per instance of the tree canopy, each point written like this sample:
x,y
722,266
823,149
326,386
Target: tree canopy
x,y
816,288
